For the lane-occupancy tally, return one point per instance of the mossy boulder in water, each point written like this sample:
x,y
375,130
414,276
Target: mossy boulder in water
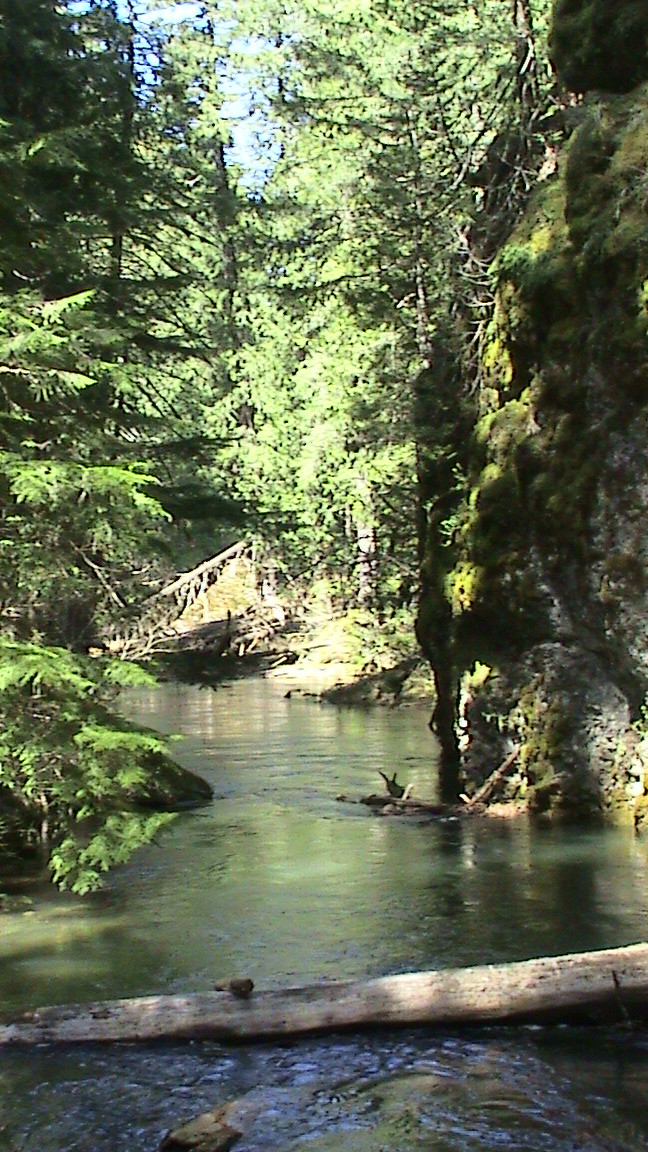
x,y
170,787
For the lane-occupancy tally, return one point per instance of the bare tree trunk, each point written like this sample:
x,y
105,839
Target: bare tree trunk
x,y
365,539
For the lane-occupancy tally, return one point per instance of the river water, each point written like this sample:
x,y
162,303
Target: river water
x,y
279,880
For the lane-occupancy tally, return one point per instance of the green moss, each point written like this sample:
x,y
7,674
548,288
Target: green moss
x,y
534,251
600,44
587,181
498,514
496,362
495,500
537,266
562,495
488,573
572,274
545,734
462,587
483,428
491,476
576,280
607,185
497,436
510,425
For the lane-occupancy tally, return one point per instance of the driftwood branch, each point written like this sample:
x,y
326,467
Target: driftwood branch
x,y
201,570
387,805
586,987
488,787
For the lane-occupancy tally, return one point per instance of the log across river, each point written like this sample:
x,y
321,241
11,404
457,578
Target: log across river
x,y
594,987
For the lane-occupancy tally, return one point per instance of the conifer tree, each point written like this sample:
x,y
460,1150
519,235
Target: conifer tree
x,y
92,313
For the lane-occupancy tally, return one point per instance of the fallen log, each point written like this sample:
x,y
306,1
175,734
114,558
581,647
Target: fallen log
x,y
594,987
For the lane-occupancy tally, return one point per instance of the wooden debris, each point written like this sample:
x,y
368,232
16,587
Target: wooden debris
x,y
393,787
389,804
584,987
490,784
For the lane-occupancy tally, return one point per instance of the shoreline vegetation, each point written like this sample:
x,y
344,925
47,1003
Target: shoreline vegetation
x,y
336,657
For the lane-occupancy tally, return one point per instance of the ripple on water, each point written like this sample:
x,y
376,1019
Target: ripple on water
x,y
398,1093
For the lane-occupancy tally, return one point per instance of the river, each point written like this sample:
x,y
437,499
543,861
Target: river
x,y
279,880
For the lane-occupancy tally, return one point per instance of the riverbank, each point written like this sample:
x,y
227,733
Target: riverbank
x,y
342,658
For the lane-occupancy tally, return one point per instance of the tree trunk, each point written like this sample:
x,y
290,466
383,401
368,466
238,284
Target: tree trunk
x,y
442,724
365,538
592,987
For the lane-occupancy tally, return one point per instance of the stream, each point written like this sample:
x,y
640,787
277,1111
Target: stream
x,y
279,880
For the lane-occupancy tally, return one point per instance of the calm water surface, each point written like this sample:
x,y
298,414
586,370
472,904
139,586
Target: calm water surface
x,y
279,880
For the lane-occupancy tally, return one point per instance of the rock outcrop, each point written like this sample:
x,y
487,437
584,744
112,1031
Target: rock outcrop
x,y
535,607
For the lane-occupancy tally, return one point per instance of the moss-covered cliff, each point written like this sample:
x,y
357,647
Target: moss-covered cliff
x,y
536,602
600,44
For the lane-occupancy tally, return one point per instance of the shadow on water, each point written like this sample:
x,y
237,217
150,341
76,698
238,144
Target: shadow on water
x,y
278,880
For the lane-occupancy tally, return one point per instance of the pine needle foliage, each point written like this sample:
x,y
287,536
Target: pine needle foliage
x,y
70,776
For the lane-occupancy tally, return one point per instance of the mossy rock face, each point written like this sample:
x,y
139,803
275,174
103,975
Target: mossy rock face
x,y
600,44
576,757
641,814
574,273
606,186
546,574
